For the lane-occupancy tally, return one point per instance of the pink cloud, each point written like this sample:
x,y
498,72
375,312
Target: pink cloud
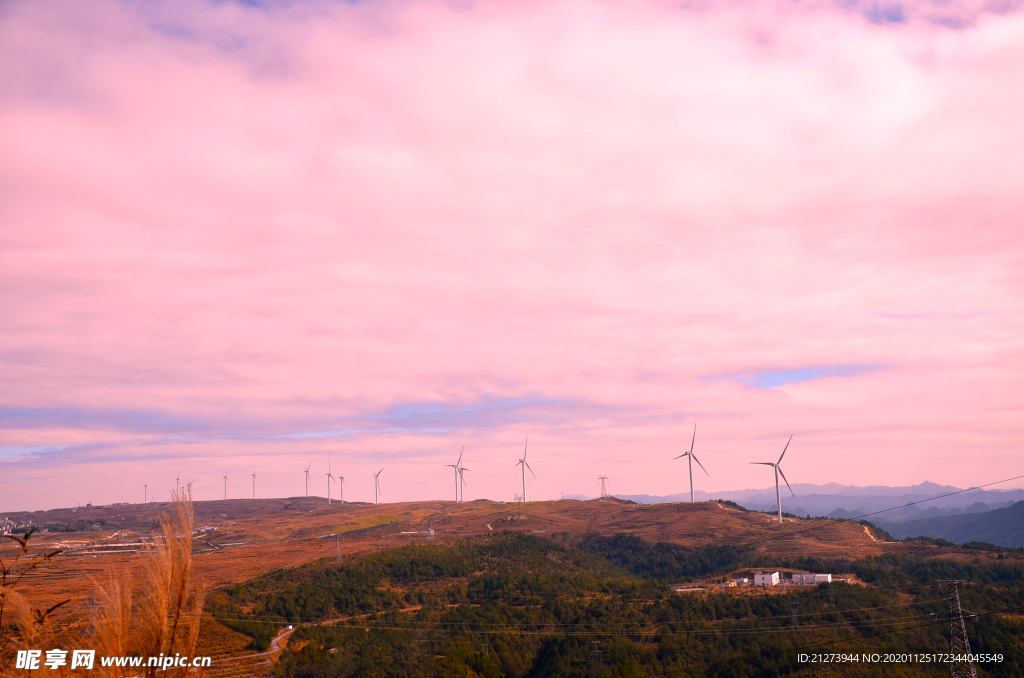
x,y
232,235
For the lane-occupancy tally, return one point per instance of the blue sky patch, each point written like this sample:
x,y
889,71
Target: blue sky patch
x,y
775,378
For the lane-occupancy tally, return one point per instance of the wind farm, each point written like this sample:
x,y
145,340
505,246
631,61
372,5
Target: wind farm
x,y
240,540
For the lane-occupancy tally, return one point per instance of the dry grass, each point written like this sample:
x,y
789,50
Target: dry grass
x,y
168,605
22,624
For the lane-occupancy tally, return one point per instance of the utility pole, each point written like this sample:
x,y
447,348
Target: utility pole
x,y
604,489
794,605
960,666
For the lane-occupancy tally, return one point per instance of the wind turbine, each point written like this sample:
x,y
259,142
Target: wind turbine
x,y
376,485
457,474
176,481
522,463
329,478
188,483
225,483
691,458
254,481
341,487
307,477
778,472
145,494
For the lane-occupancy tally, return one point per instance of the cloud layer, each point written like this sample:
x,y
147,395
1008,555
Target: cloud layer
x,y
235,235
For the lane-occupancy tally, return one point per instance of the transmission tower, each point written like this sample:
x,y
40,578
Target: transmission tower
x,y
596,663
794,605
604,488
960,666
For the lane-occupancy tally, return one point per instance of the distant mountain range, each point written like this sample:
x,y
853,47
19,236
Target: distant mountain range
x,y
1003,527
849,501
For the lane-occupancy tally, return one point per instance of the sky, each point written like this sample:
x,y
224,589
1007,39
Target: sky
x,y
248,237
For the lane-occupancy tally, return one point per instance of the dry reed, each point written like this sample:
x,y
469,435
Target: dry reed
x,y
162,616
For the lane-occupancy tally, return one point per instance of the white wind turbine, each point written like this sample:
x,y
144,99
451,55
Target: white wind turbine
x,y
341,488
524,465
225,483
329,479
188,484
376,485
693,458
254,481
457,474
307,477
778,472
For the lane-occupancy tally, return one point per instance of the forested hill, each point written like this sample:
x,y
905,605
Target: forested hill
x,y
1003,527
510,605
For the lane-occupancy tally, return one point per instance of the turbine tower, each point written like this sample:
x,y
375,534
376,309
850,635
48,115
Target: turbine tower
x,y
307,477
456,467
341,487
376,485
176,481
225,483
329,478
524,465
462,480
254,481
691,457
145,494
778,472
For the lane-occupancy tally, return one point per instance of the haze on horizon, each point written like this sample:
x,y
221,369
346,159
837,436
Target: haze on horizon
x,y
256,234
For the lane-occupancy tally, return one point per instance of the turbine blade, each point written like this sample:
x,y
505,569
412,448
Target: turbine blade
x,y
694,438
680,456
531,471
763,463
460,455
701,465
784,449
787,482
526,445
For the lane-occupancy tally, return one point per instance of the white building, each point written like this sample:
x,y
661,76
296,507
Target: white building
x,y
810,579
766,579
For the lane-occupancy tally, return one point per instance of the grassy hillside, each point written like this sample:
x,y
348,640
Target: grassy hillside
x,y
1003,527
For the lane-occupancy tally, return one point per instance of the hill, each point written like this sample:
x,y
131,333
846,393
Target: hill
x,y
495,589
1003,527
514,604
249,537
